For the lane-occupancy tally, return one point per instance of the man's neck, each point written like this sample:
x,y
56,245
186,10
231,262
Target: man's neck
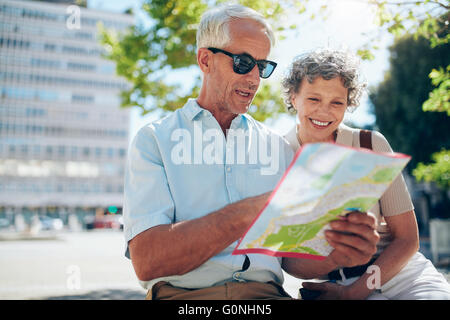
x,y
223,117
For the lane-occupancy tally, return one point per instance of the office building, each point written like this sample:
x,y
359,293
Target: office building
x,y
63,135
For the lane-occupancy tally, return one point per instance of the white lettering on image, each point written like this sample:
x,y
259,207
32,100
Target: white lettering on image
x,y
374,280
74,277
74,19
207,147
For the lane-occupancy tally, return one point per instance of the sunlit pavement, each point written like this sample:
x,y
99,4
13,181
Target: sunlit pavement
x,y
81,265
68,265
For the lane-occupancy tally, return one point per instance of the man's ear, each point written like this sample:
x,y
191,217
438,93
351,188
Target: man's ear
x,y
204,59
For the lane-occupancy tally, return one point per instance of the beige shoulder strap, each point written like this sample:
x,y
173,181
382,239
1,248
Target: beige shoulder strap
x,y
365,141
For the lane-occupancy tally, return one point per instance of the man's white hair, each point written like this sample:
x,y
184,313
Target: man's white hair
x,y
213,28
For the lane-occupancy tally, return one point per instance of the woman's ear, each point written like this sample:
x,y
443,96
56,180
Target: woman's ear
x,y
292,99
204,59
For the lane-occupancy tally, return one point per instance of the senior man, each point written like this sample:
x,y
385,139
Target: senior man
x,y
197,179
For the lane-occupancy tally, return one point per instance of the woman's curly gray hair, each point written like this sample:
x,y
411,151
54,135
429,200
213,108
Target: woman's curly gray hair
x,y
328,64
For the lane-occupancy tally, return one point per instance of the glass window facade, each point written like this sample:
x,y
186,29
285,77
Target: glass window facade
x,y
63,135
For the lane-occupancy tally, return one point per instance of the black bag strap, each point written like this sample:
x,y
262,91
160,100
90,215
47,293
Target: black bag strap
x,y
365,139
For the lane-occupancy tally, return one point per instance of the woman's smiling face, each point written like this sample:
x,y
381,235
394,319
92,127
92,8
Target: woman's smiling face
x,y
320,108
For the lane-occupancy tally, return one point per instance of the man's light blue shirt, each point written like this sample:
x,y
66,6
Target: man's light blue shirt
x,y
183,167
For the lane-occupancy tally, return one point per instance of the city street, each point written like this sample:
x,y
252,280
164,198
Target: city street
x,y
75,265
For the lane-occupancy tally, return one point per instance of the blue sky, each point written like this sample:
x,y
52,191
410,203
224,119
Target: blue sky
x,y
337,31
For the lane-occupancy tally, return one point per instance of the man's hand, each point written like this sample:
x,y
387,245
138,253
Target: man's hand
x,y
202,238
354,239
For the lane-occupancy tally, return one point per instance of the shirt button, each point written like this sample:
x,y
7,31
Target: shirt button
x,y
228,169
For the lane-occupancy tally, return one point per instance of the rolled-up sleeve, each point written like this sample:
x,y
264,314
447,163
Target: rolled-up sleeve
x,y
147,198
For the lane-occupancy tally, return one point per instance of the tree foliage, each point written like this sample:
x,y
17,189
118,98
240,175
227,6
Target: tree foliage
x,y
426,18
398,100
144,56
438,171
428,22
439,98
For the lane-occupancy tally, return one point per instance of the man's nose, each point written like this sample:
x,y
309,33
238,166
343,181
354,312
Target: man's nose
x,y
253,76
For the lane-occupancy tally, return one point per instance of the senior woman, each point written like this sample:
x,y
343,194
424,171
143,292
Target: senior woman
x,y
320,87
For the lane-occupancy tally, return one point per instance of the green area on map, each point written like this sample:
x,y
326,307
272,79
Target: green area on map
x,y
291,237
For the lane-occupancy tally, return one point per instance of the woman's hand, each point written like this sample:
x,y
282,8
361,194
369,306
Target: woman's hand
x,y
354,239
329,290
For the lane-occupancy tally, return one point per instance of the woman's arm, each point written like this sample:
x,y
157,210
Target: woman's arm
x,y
354,239
405,243
395,256
403,228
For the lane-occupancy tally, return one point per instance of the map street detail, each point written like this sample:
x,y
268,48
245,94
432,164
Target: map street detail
x,y
323,182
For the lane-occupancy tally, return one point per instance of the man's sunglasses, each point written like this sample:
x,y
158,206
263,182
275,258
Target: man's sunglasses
x,y
244,63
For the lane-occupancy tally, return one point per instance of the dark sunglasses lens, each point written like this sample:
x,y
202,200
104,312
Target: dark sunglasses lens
x,y
265,69
243,64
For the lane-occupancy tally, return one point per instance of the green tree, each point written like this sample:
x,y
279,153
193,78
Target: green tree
x,y
398,100
424,20
438,171
439,99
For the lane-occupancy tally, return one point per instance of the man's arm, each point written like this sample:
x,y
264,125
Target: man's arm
x,y
175,249
354,239
156,245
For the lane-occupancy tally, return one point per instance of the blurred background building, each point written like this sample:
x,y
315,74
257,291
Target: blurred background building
x,y
63,135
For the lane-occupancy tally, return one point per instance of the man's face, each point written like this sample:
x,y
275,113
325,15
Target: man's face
x,y
233,93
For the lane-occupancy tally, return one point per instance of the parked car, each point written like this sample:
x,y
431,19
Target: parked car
x,y
4,223
109,221
48,223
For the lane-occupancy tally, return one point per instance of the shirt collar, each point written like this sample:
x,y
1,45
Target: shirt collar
x,y
192,109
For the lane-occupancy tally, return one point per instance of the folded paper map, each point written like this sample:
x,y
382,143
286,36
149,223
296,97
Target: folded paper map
x,y
324,181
